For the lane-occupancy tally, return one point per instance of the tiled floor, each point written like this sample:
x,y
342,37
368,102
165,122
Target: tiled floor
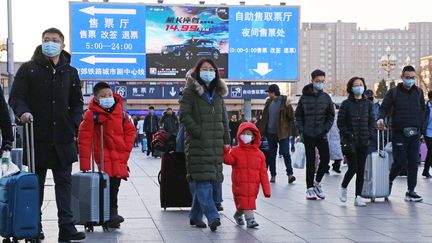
x,y
285,217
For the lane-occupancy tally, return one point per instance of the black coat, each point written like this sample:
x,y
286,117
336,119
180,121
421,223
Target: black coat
x,y
315,113
406,107
5,124
356,121
53,96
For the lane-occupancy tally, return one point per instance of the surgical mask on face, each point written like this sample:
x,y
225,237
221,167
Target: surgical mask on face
x,y
358,90
246,138
107,102
51,49
318,86
207,76
409,82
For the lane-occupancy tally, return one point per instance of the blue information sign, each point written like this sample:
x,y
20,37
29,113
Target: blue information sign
x,y
108,40
265,42
172,91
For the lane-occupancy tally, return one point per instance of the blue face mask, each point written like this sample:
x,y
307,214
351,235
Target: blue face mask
x,y
107,103
358,90
318,86
207,76
409,82
51,49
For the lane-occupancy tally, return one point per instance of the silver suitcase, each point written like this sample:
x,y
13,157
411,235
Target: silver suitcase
x,y
376,177
91,196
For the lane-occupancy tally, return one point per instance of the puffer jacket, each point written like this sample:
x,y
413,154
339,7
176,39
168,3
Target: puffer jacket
x,y
315,113
206,124
356,121
118,138
248,169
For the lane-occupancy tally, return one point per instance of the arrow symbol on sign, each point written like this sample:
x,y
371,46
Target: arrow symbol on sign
x,y
92,11
262,68
93,60
173,92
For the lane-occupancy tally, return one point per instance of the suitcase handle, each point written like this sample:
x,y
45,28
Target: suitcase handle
x,y
102,162
380,151
30,145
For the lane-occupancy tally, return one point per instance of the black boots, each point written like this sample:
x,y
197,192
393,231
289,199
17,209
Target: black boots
x,y
115,219
68,232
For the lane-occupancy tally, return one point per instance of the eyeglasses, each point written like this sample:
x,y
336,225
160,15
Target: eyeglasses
x,y
53,40
407,77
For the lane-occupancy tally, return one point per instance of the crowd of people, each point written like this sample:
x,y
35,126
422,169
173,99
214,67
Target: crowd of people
x,y
48,90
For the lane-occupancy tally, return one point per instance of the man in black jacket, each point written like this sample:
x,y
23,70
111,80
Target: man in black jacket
x,y
48,90
405,105
5,125
314,117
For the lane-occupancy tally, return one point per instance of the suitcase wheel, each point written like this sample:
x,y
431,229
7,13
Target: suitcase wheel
x,y
89,228
386,199
32,240
373,199
105,227
6,240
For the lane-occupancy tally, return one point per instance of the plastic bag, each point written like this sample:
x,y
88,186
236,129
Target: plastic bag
x,y
299,156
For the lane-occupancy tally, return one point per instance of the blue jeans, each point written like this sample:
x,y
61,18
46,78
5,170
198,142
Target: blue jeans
x,y
217,192
202,201
273,141
405,150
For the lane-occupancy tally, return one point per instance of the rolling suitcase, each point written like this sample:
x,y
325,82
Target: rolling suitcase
x,y
19,200
174,188
90,195
376,177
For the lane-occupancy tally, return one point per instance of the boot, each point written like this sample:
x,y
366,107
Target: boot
x,y
115,219
68,232
336,166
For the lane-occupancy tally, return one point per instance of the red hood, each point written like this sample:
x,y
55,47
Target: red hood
x,y
249,126
93,106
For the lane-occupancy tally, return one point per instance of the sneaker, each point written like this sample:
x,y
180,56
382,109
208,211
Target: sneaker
x,y
214,224
318,191
252,223
239,219
291,179
343,194
273,179
310,194
359,202
426,175
412,196
199,224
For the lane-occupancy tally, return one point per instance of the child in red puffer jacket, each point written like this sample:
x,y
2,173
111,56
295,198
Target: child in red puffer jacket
x,y
249,170
106,109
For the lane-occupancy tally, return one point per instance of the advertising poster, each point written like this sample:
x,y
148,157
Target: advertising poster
x,y
263,43
177,36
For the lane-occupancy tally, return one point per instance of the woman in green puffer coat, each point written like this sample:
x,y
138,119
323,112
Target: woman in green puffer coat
x,y
203,113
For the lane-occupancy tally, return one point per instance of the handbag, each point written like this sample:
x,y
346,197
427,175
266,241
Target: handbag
x,y
264,146
299,156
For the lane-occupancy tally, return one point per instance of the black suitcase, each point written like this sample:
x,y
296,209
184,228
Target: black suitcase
x,y
174,188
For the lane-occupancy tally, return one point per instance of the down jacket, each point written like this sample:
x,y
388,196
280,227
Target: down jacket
x,y
206,124
356,121
118,138
248,169
315,113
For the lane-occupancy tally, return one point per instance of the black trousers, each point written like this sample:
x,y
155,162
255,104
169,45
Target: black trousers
x,y
114,189
63,190
149,136
356,165
324,153
428,162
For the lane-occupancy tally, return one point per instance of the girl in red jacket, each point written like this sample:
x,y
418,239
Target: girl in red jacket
x,y
105,108
249,170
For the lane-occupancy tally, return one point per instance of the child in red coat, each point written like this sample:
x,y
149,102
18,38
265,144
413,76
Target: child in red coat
x,y
249,170
105,108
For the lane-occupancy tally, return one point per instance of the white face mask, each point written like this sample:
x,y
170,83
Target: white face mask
x,y
107,102
246,138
